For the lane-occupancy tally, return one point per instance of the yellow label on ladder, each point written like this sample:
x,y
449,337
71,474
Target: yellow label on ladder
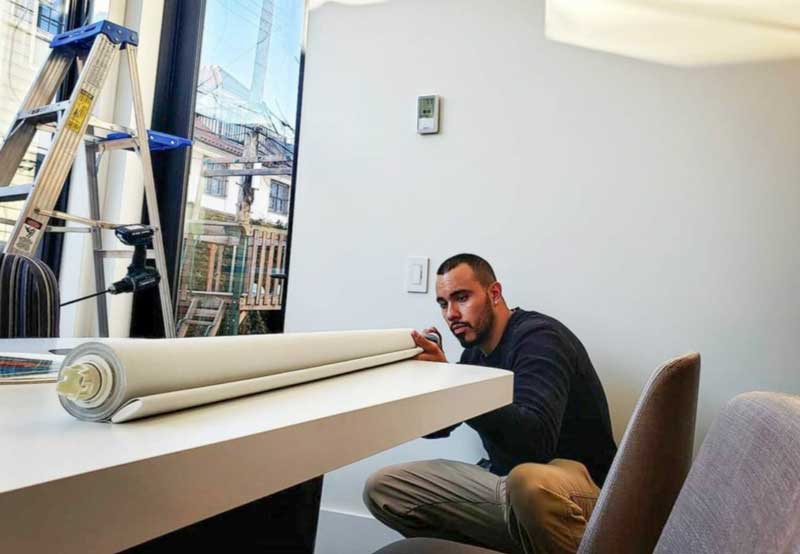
x,y
80,111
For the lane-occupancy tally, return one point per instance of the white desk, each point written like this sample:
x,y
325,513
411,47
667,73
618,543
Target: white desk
x,y
73,486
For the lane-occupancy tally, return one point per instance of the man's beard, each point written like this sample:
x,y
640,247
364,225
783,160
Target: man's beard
x,y
482,327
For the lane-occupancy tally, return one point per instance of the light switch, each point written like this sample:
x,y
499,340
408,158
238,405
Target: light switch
x,y
417,274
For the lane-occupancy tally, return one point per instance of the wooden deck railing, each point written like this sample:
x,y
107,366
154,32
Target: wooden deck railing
x,y
259,274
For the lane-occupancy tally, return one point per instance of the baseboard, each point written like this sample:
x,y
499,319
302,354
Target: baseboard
x,y
348,533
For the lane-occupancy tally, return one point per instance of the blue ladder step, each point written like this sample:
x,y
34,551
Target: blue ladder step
x,y
158,141
82,38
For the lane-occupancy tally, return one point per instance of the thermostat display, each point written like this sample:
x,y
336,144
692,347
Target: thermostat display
x,y
428,114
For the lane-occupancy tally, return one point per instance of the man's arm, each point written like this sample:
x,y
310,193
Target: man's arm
x,y
530,426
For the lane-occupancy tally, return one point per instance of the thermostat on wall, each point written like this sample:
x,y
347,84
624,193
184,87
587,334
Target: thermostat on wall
x,y
428,114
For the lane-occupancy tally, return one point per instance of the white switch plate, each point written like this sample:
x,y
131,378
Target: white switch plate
x,y
417,274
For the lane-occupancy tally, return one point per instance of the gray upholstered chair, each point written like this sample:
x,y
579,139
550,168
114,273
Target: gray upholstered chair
x,y
432,546
652,462
743,492
645,477
29,299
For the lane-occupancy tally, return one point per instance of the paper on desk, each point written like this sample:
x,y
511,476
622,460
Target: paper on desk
x,y
152,376
20,368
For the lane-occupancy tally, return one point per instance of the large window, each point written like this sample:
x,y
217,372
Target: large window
x,y
235,238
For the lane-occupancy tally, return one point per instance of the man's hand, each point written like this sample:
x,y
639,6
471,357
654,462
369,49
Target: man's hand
x,y
430,350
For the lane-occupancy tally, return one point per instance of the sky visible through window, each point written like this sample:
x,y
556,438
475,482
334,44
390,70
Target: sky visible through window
x,y
233,267
231,39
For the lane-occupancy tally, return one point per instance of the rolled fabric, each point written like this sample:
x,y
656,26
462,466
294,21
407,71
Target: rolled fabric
x,y
124,379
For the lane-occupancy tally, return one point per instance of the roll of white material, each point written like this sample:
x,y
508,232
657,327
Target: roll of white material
x,y
135,378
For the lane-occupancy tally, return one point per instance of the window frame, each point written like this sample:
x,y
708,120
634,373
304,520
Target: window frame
x,y
279,203
174,113
214,186
61,22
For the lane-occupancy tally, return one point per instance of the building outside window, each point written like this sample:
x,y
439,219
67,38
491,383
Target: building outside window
x,y
51,15
233,265
216,186
26,27
278,197
51,18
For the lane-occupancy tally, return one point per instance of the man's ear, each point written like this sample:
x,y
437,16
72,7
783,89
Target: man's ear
x,y
496,292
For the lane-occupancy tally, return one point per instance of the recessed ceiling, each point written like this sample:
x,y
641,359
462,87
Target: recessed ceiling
x,y
680,32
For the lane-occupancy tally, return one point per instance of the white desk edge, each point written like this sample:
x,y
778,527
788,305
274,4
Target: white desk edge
x,y
90,487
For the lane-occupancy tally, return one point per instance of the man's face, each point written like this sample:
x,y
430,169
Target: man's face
x,y
466,305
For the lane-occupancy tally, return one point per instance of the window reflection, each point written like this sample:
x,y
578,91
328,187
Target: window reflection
x,y
233,264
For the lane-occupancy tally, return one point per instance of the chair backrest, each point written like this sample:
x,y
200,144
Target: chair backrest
x,y
651,464
743,492
29,299
432,546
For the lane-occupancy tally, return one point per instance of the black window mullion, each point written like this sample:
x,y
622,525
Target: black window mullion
x,y
281,319
173,113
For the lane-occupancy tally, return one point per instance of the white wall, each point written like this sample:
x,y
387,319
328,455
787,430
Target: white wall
x,y
653,210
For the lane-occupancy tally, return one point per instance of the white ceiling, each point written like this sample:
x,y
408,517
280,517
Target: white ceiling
x,y
680,32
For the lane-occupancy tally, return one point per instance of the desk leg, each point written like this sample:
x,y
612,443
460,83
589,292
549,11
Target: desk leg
x,y
284,522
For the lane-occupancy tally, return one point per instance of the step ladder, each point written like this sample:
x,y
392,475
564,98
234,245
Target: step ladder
x,y
210,319
93,48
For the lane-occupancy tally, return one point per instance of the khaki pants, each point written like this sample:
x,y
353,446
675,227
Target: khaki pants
x,y
538,508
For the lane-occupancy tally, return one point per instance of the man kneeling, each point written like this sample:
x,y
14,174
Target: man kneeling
x,y
556,434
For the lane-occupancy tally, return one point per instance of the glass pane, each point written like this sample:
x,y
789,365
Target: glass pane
x,y
233,264
100,10
26,28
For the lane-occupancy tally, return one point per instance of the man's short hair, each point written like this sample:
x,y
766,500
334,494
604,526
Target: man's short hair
x,y
480,267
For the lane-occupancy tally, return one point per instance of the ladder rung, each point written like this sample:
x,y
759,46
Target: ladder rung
x,y
91,130
97,123
121,137
206,312
44,114
78,219
122,254
117,144
12,193
198,322
64,229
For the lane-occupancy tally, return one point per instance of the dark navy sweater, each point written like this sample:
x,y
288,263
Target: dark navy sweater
x,y
559,408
